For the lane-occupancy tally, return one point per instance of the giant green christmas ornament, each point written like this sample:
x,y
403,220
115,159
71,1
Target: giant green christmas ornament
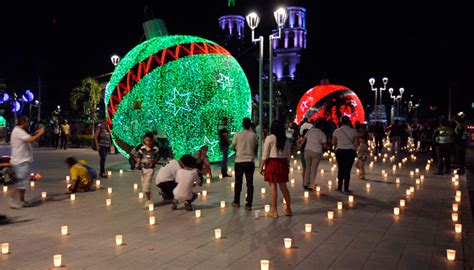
x,y
181,86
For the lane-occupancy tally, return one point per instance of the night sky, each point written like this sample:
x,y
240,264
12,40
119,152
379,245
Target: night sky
x,y
419,48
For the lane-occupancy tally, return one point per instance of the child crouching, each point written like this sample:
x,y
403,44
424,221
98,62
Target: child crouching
x,y
186,178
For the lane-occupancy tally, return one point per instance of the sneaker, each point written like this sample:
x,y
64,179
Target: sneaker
x,y
174,205
145,206
13,204
248,208
188,206
235,205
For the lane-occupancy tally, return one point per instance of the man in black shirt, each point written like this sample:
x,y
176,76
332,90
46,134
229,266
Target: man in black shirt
x,y
224,145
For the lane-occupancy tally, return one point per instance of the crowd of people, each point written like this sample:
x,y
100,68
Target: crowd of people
x,y
175,179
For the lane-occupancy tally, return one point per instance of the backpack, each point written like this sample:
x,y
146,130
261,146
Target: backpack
x,y
92,172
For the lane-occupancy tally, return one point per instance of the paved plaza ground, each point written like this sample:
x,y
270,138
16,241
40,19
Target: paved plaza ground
x,y
363,235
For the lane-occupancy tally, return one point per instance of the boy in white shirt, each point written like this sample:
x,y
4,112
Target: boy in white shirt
x,y
186,178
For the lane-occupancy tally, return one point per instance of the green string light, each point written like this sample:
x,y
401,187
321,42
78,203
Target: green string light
x,y
185,98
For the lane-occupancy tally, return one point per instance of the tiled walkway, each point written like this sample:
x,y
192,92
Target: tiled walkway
x,y
364,235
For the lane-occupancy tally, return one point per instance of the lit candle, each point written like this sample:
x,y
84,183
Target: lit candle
x,y
383,172
397,180
220,176
396,211
68,178
292,156
367,185
412,173
351,198
339,205
229,169
451,254
322,171
264,264
5,248
222,204
456,176
109,173
204,193
135,186
329,183
232,184
417,171
294,162
208,181
330,215
408,192
306,194
457,198
455,207
418,181
287,243
198,213
454,217
291,169
458,228
308,228
299,152
299,168
427,167
109,190
218,233
118,240
43,194
267,208
108,202
73,197
32,183
151,207
97,182
357,171
263,191
292,181
402,203
456,183
5,188
422,177
64,230
458,193
412,189
284,202
57,260
151,220
318,189
394,167
140,195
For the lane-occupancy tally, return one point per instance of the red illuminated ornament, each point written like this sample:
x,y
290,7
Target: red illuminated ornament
x,y
330,102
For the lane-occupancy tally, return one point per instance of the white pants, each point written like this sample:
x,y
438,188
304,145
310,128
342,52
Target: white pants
x,y
146,176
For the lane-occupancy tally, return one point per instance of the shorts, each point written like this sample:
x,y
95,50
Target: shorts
x,y
21,171
146,176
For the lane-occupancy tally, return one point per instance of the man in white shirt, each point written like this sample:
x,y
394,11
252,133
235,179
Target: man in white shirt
x,y
165,178
22,156
245,145
304,126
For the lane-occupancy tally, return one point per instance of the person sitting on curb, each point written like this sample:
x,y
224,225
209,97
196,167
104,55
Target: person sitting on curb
x,y
186,178
81,179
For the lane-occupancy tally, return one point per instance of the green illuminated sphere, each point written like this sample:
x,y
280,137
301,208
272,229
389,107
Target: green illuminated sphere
x,y
181,86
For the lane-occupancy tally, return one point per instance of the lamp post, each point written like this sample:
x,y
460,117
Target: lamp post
x,y
375,89
252,21
396,101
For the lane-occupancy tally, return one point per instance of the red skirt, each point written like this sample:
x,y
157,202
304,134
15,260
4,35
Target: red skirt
x,y
277,170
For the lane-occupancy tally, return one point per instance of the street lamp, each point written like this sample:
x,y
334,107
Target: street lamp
x,y
396,101
252,21
375,89
115,59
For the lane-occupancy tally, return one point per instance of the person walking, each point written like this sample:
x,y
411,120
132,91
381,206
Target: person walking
x,y
224,143
245,145
21,157
379,134
460,139
444,138
65,133
345,140
275,166
102,142
146,160
56,131
316,143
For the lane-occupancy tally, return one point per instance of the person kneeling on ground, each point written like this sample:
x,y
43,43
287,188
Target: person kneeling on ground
x,y
186,178
165,178
81,179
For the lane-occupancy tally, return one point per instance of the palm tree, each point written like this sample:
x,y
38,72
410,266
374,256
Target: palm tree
x,y
87,96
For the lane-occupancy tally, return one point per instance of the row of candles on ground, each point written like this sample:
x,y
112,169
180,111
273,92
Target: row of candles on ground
x,y
451,253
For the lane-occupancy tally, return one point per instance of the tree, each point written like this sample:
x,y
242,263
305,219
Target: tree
x,y
87,96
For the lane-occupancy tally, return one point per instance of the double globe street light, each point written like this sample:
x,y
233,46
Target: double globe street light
x,y
375,89
253,20
395,112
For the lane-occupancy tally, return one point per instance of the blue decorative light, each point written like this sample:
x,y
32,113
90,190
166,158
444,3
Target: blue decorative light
x,y
4,98
16,106
28,96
